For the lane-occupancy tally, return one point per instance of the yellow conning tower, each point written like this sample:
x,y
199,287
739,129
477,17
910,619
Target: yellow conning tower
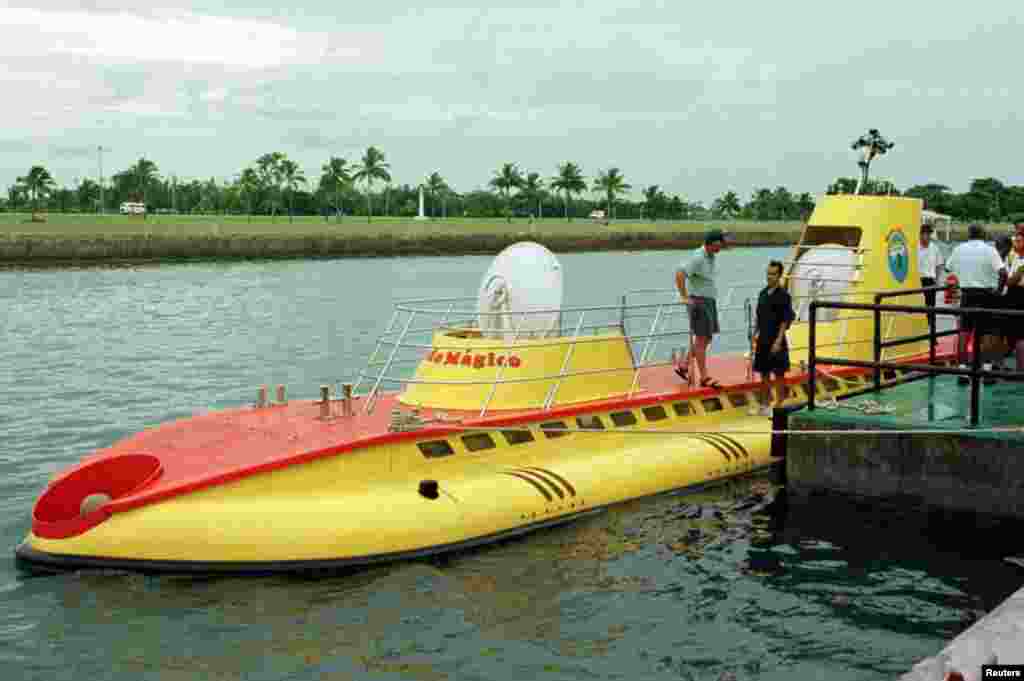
x,y
853,247
464,369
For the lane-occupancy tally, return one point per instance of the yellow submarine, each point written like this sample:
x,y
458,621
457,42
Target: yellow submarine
x,y
511,415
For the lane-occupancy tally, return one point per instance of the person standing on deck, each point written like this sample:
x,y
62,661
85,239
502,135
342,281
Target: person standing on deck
x,y
771,351
979,269
1013,328
695,280
929,266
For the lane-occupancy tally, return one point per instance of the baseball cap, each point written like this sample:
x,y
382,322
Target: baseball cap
x,y
713,235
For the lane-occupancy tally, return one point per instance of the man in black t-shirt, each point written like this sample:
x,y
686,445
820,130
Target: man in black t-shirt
x,y
771,353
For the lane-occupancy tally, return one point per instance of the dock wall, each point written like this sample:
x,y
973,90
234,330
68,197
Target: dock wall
x,y
960,471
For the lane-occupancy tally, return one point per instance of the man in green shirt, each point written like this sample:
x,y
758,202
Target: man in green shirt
x,y
695,280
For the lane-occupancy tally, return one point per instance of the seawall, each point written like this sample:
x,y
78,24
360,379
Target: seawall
x,y
40,249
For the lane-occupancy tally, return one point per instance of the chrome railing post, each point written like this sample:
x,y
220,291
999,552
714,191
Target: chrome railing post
x,y
501,369
550,398
376,349
372,397
643,354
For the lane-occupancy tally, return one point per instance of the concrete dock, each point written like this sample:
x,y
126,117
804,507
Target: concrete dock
x,y
876,451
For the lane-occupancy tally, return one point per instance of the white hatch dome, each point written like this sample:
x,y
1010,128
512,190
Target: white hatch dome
x,y
521,294
822,273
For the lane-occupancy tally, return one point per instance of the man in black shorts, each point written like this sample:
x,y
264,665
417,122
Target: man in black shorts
x,y
978,269
771,352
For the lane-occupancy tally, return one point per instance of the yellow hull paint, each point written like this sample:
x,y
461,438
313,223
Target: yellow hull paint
x,y
366,504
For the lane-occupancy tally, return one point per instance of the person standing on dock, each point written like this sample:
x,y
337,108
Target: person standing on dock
x,y
929,266
771,351
1014,298
695,280
978,268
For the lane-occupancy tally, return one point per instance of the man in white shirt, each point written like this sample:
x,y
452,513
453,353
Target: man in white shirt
x,y
929,264
978,268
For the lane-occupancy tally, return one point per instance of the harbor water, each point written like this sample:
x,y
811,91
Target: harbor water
x,y
722,583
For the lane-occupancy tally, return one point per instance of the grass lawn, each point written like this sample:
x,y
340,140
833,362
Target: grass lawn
x,y
76,226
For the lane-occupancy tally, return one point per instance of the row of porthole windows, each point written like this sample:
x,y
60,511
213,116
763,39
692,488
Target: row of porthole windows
x,y
478,442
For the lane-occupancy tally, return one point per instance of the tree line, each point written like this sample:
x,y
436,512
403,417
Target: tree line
x,y
275,185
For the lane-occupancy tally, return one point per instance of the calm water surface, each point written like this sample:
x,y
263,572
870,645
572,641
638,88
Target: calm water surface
x,y
641,592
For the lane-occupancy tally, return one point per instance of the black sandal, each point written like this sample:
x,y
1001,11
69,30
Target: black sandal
x,y
708,382
683,374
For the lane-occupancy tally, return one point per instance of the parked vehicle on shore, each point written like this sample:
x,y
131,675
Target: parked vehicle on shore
x,y
133,208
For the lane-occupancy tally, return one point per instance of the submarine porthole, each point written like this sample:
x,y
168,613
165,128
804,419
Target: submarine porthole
x,y
738,399
590,422
655,413
435,448
623,418
553,429
712,404
682,408
478,442
517,437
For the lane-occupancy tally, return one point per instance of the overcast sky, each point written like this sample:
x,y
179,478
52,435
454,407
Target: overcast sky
x,y
699,98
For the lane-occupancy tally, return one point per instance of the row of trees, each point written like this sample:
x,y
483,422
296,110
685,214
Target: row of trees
x,y
274,184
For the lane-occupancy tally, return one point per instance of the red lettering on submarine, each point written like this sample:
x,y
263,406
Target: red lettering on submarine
x,y
474,360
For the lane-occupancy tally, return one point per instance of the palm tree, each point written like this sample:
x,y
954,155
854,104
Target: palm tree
x,y
611,183
372,168
143,173
728,204
435,186
654,199
533,190
505,180
249,183
335,178
269,173
88,194
38,183
292,176
569,180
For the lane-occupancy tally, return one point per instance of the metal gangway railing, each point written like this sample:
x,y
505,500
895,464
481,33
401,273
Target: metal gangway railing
x,y
880,343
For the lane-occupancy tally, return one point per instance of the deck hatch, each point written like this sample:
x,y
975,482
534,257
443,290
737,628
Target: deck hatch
x,y
517,437
623,418
435,448
478,442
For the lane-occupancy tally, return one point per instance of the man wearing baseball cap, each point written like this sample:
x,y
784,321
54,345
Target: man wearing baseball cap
x,y
695,280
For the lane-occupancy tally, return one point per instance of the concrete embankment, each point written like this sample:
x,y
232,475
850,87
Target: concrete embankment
x,y
994,639
34,248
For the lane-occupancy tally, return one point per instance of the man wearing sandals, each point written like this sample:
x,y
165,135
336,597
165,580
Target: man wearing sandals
x,y
695,280
771,352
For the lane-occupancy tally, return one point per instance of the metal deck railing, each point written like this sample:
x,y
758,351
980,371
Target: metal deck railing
x,y
654,331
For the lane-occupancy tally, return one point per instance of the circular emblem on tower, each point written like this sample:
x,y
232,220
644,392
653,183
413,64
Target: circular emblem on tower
x,y
898,254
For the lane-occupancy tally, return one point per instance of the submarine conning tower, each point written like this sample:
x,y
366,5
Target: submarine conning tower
x,y
853,247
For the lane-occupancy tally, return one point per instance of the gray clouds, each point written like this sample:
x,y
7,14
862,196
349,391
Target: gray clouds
x,y
728,96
